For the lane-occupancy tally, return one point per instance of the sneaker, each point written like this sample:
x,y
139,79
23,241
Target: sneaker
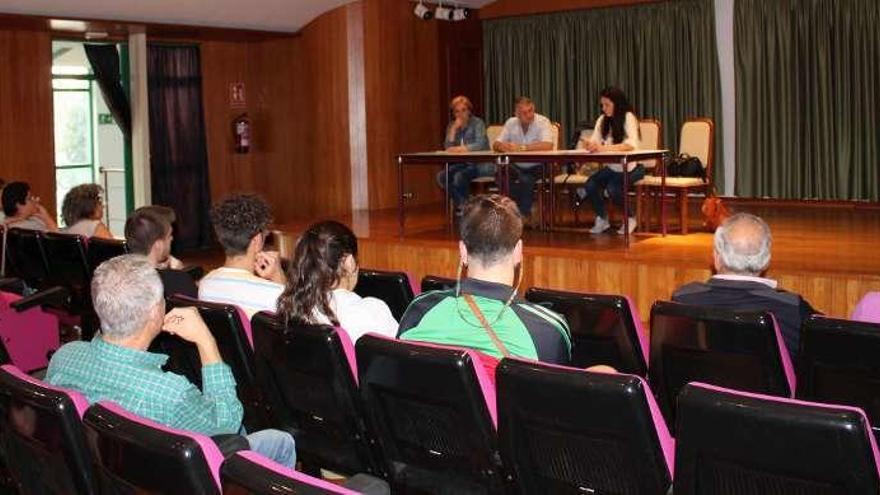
x,y
631,223
601,225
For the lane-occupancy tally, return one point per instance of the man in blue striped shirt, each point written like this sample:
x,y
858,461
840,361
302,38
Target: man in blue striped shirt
x,y
116,366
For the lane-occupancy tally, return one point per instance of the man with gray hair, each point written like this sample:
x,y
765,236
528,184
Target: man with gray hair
x,y
115,365
742,255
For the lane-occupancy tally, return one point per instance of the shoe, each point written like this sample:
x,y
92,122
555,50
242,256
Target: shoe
x,y
631,224
601,225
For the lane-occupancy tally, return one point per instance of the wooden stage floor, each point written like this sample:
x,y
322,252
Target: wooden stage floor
x,y
826,252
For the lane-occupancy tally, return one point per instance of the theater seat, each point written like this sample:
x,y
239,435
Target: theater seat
x,y
433,410
101,250
136,455
566,430
840,364
741,350
249,473
41,436
742,443
395,288
309,376
25,257
29,333
605,329
433,282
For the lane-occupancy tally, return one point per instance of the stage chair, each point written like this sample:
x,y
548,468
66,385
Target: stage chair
x,y
309,377
433,282
26,259
697,139
41,434
136,455
249,473
232,330
736,349
742,443
605,329
839,364
566,430
433,410
100,250
28,333
395,288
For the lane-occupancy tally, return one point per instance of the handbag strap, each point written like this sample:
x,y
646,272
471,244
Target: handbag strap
x,y
479,314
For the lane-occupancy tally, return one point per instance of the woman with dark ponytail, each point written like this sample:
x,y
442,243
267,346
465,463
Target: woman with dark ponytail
x,y
320,280
617,129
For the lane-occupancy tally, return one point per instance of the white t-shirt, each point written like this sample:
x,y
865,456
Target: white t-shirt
x,y
630,129
359,315
241,288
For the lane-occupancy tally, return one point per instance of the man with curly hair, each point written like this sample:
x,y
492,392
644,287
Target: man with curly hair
x,y
251,278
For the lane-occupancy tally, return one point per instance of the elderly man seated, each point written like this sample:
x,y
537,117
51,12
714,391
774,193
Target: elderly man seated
x,y
116,365
742,255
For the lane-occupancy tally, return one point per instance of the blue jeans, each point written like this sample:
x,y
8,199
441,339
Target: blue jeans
x,y
607,179
522,186
276,445
460,177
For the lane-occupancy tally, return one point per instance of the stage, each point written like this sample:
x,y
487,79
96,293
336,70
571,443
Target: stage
x,y
825,251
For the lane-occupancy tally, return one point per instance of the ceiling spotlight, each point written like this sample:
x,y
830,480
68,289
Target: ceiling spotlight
x,y
442,13
460,14
422,12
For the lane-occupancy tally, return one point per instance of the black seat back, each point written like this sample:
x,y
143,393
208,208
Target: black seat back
x,y
741,350
392,287
231,330
101,250
26,258
433,410
839,364
605,329
133,455
309,377
735,442
433,282
248,473
565,430
68,265
41,436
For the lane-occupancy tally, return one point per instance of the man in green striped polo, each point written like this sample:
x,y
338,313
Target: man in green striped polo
x,y
484,313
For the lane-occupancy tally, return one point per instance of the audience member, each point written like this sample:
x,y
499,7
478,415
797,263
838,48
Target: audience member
x,y
526,131
149,232
23,210
742,255
464,134
320,281
868,309
250,278
115,365
483,312
82,211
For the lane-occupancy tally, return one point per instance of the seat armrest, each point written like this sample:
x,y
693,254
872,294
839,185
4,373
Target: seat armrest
x,y
55,297
194,271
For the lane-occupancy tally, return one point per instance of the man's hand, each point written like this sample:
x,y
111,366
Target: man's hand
x,y
187,324
457,149
504,146
593,146
268,266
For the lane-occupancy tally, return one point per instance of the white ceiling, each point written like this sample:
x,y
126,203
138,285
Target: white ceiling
x,y
266,15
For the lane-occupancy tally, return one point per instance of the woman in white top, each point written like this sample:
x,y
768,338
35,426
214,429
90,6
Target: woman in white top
x,y
320,280
82,211
617,129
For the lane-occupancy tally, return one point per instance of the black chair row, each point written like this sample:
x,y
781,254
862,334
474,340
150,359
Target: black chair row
x,y
54,443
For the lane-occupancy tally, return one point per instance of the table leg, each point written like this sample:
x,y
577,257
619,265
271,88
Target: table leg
x,y
401,214
623,164
450,216
663,197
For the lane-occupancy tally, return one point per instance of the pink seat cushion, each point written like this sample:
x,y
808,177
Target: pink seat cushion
x,y
786,358
80,403
209,448
348,349
640,328
290,473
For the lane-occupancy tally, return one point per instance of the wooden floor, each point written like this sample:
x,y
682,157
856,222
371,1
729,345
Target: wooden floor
x,y
826,252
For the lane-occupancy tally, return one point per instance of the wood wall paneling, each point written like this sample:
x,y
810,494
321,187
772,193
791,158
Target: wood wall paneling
x,y
26,126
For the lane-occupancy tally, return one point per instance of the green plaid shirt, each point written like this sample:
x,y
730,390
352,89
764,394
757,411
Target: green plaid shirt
x,y
135,380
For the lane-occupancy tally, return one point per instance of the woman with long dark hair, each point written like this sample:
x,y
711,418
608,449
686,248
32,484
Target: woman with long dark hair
x,y
320,280
617,129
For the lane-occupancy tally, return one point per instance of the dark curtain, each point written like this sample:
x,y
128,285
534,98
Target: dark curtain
x,y
178,152
663,55
807,99
105,64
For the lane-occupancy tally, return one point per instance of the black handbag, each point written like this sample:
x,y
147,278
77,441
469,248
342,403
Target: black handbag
x,y
685,165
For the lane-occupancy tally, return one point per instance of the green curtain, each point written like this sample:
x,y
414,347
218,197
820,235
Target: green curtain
x,y
808,98
663,55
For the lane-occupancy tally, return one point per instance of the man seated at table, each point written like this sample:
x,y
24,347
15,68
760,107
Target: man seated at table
x,y
526,131
465,133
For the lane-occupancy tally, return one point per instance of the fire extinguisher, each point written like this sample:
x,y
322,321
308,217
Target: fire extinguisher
x,y
241,130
